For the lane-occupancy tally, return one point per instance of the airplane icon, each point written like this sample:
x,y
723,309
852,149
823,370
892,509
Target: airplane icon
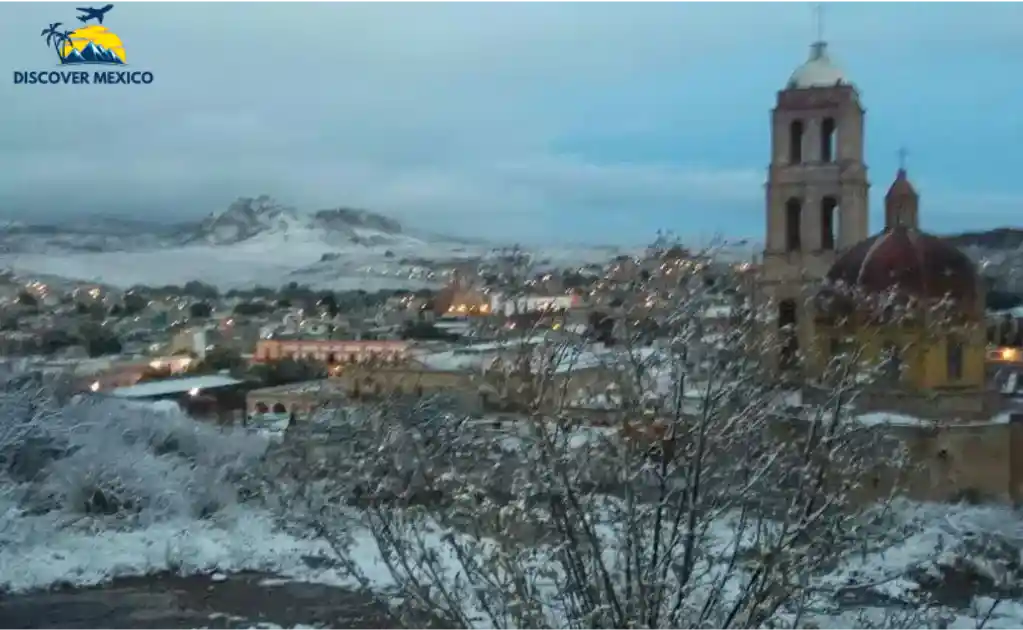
x,y
93,14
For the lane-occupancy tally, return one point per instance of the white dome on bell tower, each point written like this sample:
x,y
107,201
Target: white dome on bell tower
x,y
818,71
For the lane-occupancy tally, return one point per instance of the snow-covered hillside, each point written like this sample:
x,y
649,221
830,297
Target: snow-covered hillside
x,y
255,241
249,218
244,219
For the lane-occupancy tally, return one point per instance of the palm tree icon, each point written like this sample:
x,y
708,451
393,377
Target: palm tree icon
x,y
65,40
57,39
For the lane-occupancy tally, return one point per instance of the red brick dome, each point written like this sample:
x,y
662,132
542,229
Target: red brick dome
x,y
908,262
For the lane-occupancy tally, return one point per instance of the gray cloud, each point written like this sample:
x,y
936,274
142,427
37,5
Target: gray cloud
x,y
452,114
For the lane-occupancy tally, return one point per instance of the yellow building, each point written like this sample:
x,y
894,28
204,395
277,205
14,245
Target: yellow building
x,y
912,303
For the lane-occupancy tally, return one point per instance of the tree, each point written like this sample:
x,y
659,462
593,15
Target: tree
x,y
218,359
134,303
95,310
200,290
99,341
27,299
329,303
425,331
716,500
56,38
601,326
252,308
56,339
200,310
285,371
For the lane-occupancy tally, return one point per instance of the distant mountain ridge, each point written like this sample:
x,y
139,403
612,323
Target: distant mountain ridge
x,y
263,217
244,219
1004,238
249,217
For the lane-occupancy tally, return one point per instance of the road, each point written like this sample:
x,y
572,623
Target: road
x,y
170,601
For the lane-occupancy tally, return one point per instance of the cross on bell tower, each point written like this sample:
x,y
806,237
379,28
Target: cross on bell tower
x,y
818,18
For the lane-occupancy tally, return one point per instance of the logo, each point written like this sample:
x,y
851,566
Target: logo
x,y
88,45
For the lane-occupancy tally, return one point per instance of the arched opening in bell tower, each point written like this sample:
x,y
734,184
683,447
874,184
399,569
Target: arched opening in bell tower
x,y
793,224
829,136
796,142
829,223
787,332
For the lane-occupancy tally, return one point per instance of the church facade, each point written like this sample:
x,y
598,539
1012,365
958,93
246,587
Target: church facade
x,y
911,304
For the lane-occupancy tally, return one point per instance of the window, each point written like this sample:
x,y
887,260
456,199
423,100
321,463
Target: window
x,y
839,346
829,233
789,335
892,363
793,224
796,142
828,136
954,359
786,313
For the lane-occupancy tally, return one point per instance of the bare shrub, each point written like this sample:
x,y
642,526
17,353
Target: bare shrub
x,y
104,457
714,497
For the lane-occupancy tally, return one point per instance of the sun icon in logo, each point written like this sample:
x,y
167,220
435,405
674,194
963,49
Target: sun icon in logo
x,y
96,42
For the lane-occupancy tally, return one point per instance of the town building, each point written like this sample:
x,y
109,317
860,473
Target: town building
x,y
214,396
461,297
490,376
331,351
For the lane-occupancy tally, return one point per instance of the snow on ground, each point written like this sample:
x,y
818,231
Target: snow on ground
x,y
270,259
246,539
226,266
239,539
263,625
61,546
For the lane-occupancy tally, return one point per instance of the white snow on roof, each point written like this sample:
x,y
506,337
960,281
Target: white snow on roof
x,y
1011,384
560,359
472,357
174,386
884,418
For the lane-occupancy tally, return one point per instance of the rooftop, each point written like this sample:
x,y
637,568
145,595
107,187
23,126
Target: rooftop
x,y
175,386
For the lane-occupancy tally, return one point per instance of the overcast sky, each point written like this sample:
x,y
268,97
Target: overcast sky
x,y
581,122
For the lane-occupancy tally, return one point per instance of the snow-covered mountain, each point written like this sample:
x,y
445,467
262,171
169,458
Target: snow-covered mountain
x,y
246,218
249,218
255,240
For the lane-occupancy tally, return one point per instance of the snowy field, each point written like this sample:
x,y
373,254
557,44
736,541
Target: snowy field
x,y
162,494
262,261
273,259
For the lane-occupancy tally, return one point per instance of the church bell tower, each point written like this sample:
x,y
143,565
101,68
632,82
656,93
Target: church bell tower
x,y
816,191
